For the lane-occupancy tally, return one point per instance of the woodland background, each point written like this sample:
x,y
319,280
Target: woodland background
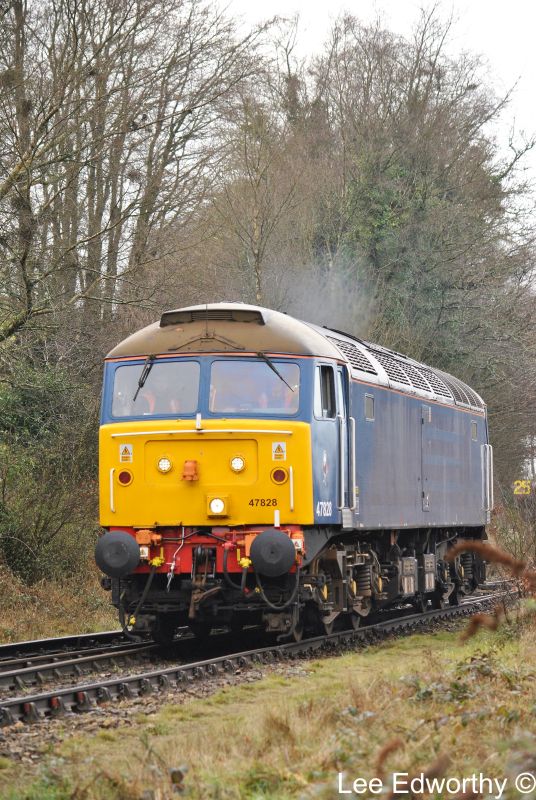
x,y
152,156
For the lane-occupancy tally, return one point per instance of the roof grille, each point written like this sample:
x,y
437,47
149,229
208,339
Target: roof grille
x,y
392,367
211,315
462,393
354,355
417,377
457,389
408,372
439,386
475,400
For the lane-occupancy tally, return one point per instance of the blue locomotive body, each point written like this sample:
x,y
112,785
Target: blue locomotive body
x,y
417,463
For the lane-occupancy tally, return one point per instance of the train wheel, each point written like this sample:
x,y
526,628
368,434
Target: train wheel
x,y
296,634
438,601
201,630
454,597
420,604
355,620
297,628
163,629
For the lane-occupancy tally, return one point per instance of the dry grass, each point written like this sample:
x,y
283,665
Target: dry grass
x,y
51,608
518,568
411,705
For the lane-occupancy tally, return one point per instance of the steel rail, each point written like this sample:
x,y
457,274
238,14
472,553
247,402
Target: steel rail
x,y
65,645
84,697
11,664
58,644
34,673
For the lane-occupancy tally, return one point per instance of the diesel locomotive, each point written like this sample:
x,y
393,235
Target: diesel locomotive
x,y
257,469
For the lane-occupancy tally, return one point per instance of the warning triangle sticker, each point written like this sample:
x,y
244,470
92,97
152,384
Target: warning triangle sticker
x,y
126,453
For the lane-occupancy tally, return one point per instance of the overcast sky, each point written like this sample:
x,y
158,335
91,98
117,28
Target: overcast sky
x,y
503,33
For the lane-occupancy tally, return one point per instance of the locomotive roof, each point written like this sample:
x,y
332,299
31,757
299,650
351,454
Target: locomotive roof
x,y
232,327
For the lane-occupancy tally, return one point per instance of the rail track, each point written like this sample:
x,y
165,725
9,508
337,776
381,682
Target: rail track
x,y
85,696
60,645
25,672
21,672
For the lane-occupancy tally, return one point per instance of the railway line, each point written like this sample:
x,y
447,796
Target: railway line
x,y
23,673
97,651
35,648
19,673
220,656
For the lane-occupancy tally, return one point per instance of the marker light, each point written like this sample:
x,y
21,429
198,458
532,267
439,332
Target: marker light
x,y
237,464
279,475
217,506
164,465
124,477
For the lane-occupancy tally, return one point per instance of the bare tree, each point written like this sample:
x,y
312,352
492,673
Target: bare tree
x,y
108,118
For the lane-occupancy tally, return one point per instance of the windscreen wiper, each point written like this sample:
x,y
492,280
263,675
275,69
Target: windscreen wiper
x,y
274,368
147,367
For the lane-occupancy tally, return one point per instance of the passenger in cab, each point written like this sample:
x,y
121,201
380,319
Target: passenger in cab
x,y
279,396
157,395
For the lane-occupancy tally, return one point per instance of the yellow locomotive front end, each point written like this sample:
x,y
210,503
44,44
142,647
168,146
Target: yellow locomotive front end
x,y
199,473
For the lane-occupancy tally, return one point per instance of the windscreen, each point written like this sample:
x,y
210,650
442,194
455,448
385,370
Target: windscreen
x,y
170,387
253,387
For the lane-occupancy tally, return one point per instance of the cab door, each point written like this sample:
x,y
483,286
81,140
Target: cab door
x,y
332,450
343,443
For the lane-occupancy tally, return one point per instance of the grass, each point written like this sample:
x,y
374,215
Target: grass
x,y
398,706
53,608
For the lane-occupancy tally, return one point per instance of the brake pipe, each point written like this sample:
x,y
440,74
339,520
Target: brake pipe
x,y
288,602
138,607
228,580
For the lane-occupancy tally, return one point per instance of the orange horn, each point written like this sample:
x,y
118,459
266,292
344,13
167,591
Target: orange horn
x,y
189,471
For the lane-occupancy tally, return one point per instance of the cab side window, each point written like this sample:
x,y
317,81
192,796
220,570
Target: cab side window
x,y
341,405
369,408
324,399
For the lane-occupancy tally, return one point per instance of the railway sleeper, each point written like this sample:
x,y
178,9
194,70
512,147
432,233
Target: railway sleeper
x,y
83,702
57,706
31,712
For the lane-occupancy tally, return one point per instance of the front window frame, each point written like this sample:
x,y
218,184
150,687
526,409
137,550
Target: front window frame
x,y
157,364
253,413
205,362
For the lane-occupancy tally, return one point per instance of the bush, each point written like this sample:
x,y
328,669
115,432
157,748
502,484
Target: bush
x,y
514,527
47,473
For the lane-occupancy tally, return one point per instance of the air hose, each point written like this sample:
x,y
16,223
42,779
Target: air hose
x,y
288,602
228,580
138,607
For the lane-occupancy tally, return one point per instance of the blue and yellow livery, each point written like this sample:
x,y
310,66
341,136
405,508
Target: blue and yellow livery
x,y
256,468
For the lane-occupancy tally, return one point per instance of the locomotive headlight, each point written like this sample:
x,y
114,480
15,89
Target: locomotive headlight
x,y
237,464
164,465
216,505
